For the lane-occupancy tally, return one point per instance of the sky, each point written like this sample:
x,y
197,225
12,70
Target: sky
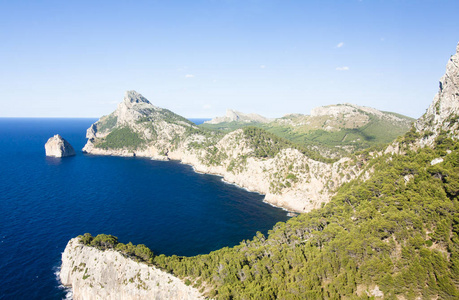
x,y
198,58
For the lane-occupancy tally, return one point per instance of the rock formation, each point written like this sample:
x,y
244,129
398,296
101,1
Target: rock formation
x,y
97,274
236,116
57,146
443,113
289,178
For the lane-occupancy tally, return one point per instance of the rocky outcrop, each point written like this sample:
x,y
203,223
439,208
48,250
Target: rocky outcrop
x,y
97,274
57,146
443,114
236,116
288,179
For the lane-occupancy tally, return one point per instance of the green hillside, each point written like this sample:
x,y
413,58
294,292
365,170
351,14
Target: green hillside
x,y
311,132
397,230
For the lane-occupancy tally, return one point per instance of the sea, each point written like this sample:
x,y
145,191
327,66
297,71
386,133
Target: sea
x,y
44,202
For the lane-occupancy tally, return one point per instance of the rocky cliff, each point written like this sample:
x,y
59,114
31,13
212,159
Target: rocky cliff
x,y
97,274
57,146
288,177
443,114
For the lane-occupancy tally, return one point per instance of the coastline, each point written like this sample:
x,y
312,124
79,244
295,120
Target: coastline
x,y
222,177
194,168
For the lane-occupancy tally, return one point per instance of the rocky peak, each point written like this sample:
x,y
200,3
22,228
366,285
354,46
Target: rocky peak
x,y
442,114
134,100
131,97
236,116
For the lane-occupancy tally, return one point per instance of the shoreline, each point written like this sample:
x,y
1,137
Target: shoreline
x,y
166,159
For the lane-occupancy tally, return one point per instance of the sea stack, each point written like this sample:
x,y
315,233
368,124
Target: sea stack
x,y
57,146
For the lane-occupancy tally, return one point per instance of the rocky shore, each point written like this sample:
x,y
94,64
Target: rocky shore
x,y
97,274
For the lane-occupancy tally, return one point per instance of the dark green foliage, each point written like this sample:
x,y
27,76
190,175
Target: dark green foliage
x,y
119,138
372,232
376,132
104,242
266,144
101,241
398,230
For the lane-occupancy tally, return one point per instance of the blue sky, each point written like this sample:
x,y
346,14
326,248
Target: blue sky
x,y
197,58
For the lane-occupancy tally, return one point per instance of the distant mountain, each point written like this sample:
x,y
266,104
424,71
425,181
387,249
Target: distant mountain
x,y
383,224
334,130
137,127
236,116
290,175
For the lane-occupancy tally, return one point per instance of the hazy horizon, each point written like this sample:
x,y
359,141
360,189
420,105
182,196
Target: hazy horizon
x,y
62,59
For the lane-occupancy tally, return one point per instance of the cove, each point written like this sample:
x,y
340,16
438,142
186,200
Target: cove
x,y
164,205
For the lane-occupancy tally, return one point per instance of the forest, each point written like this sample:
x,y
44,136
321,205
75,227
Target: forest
x,y
397,230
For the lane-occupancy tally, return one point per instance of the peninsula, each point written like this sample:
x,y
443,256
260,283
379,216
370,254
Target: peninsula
x,y
392,231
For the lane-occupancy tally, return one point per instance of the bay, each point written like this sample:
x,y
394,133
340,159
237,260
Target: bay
x,y
44,202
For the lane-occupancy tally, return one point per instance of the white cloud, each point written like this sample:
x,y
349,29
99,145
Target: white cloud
x,y
206,106
345,68
262,66
340,45
189,76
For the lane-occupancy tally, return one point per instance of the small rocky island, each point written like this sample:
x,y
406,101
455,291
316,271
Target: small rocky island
x,y
57,146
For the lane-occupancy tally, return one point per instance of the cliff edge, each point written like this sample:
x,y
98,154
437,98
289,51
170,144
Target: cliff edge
x,y
443,114
289,176
97,274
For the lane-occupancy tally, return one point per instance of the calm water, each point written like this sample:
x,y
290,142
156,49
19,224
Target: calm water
x,y
46,201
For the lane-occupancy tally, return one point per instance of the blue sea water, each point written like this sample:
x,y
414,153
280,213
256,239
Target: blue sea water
x,y
44,202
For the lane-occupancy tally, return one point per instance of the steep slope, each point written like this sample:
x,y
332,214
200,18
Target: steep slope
x,y
290,176
391,235
334,130
443,114
342,128
97,274
137,127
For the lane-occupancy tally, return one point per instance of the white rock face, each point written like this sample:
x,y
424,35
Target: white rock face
x,y
236,116
96,274
57,146
443,112
290,179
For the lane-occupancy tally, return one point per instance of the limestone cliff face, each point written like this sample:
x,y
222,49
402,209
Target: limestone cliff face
x,y
443,113
289,179
96,274
57,146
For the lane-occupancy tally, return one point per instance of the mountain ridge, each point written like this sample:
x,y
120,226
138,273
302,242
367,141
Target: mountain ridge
x,y
393,232
289,176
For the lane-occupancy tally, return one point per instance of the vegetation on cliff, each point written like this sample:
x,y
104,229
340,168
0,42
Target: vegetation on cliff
x,y
106,241
267,145
398,230
359,131
121,137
